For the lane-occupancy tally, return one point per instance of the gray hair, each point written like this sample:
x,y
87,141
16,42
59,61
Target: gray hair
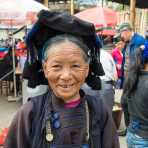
x,y
62,38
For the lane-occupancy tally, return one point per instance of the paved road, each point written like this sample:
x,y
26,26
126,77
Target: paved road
x,y
7,111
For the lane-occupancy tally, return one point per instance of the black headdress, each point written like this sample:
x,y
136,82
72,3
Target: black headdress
x,y
50,24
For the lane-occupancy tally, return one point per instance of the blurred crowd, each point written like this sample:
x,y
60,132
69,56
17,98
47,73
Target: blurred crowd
x,y
6,60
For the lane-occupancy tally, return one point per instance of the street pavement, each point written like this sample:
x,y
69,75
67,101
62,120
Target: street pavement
x,y
8,110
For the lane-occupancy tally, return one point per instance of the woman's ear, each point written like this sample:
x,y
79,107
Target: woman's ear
x,y
45,69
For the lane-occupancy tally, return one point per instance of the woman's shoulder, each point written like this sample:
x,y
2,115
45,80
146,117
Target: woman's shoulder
x,y
94,100
30,106
25,110
40,99
97,105
144,79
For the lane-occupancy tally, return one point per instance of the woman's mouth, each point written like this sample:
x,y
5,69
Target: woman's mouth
x,y
66,85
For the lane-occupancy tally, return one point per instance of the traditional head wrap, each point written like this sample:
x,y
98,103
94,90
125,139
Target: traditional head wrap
x,y
50,24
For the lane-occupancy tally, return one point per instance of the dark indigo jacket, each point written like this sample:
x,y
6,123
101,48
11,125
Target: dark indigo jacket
x,y
26,129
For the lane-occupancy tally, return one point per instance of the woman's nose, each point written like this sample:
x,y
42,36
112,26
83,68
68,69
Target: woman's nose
x,y
66,74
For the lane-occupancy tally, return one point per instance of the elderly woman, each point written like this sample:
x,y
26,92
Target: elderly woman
x,y
64,117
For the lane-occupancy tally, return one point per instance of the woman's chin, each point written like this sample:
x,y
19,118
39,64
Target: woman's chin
x,y
67,97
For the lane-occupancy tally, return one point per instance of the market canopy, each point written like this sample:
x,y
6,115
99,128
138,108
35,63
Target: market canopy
x,y
139,3
19,12
100,17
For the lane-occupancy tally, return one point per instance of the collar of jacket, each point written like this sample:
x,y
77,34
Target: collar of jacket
x,y
137,40
50,105
47,110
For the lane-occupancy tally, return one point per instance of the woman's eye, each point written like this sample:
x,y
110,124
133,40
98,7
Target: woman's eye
x,y
56,66
76,66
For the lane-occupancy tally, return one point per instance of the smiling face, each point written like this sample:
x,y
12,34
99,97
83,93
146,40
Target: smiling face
x,y
66,70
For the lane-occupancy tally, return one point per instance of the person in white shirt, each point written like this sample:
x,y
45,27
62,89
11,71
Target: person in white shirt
x,y
107,89
108,80
109,66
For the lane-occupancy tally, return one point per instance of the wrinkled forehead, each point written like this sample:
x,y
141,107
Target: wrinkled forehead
x,y
65,49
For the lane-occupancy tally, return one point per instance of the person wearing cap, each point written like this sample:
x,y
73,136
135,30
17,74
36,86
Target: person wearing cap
x,y
135,92
64,117
132,42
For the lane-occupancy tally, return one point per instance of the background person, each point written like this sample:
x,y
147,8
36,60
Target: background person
x,y
132,42
106,93
118,58
135,94
108,80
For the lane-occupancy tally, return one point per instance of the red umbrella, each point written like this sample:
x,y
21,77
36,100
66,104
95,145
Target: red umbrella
x,y
110,32
100,17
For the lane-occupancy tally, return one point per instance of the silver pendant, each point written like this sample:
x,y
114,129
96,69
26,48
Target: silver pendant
x,y
49,137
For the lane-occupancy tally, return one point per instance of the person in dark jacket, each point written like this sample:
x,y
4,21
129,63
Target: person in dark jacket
x,y
135,94
132,42
64,117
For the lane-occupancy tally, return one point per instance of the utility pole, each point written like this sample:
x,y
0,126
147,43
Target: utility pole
x,y
106,2
45,3
72,7
132,13
102,3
